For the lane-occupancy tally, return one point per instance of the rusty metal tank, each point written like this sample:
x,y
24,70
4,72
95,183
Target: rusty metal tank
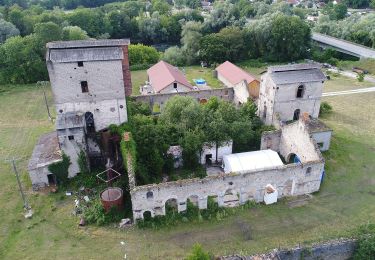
x,y
112,197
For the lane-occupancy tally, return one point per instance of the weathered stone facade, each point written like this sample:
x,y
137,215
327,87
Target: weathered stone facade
x,y
89,81
238,187
288,91
226,94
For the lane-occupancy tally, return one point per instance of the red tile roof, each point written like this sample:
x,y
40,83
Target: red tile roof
x,y
234,74
162,74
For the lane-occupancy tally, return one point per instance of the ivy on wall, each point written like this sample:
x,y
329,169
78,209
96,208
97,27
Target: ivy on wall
x,y
60,169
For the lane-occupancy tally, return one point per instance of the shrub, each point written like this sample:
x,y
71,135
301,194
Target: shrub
x,y
60,169
325,109
361,77
95,214
365,248
197,253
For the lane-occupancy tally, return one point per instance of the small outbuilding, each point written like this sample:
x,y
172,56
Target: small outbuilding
x,y
257,160
244,84
208,153
46,152
165,78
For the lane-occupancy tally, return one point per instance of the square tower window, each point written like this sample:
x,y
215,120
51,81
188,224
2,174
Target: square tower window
x,y
80,64
84,87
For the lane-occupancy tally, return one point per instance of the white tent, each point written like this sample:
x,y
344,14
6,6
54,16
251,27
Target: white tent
x,y
251,161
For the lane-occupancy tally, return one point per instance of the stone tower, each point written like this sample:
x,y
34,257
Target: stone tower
x,y
288,91
89,81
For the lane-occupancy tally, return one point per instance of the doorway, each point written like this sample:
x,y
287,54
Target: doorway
x,y
296,114
208,159
90,124
51,179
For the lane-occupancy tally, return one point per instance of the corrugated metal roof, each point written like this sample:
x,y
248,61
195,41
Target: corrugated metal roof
x,y
85,54
257,160
46,151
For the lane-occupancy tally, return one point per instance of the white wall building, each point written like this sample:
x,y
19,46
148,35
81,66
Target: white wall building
x,y
208,154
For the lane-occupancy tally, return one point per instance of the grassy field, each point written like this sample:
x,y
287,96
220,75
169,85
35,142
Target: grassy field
x,y
345,201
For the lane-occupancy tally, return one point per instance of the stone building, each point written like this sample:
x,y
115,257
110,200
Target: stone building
x,y
288,91
46,152
89,81
165,78
244,84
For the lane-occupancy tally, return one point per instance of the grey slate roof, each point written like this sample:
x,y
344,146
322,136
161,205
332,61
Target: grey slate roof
x,y
69,120
87,43
296,73
46,152
85,54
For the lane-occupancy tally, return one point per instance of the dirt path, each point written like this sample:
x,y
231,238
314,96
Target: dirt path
x,y
348,92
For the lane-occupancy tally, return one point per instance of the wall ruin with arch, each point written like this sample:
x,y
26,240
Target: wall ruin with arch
x,y
239,187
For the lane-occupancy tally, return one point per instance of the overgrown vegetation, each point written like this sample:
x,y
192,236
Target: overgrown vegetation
x,y
366,243
325,109
82,163
94,213
197,253
186,122
192,214
60,169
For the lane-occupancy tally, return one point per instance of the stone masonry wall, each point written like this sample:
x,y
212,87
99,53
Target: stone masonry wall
x,y
290,180
226,94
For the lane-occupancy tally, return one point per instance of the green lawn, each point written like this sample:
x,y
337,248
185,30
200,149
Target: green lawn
x,y
345,201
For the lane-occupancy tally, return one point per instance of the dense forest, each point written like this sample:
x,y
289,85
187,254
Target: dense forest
x,y
183,30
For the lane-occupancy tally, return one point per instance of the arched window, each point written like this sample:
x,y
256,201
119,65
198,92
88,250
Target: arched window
x,y
300,91
149,195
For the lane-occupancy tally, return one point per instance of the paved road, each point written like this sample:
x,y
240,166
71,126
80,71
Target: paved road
x,y
349,92
357,49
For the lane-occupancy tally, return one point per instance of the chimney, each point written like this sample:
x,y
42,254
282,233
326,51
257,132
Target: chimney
x,y
126,71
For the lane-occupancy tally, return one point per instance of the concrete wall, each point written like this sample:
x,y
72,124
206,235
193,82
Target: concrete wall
x,y
72,148
281,101
323,139
241,93
39,177
211,149
290,180
170,88
226,94
106,112
224,80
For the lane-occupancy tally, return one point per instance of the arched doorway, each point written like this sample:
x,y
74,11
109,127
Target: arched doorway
x,y
193,199
90,124
296,114
293,158
147,215
171,206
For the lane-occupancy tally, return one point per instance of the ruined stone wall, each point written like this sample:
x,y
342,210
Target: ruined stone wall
x,y
271,140
226,94
288,180
296,139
